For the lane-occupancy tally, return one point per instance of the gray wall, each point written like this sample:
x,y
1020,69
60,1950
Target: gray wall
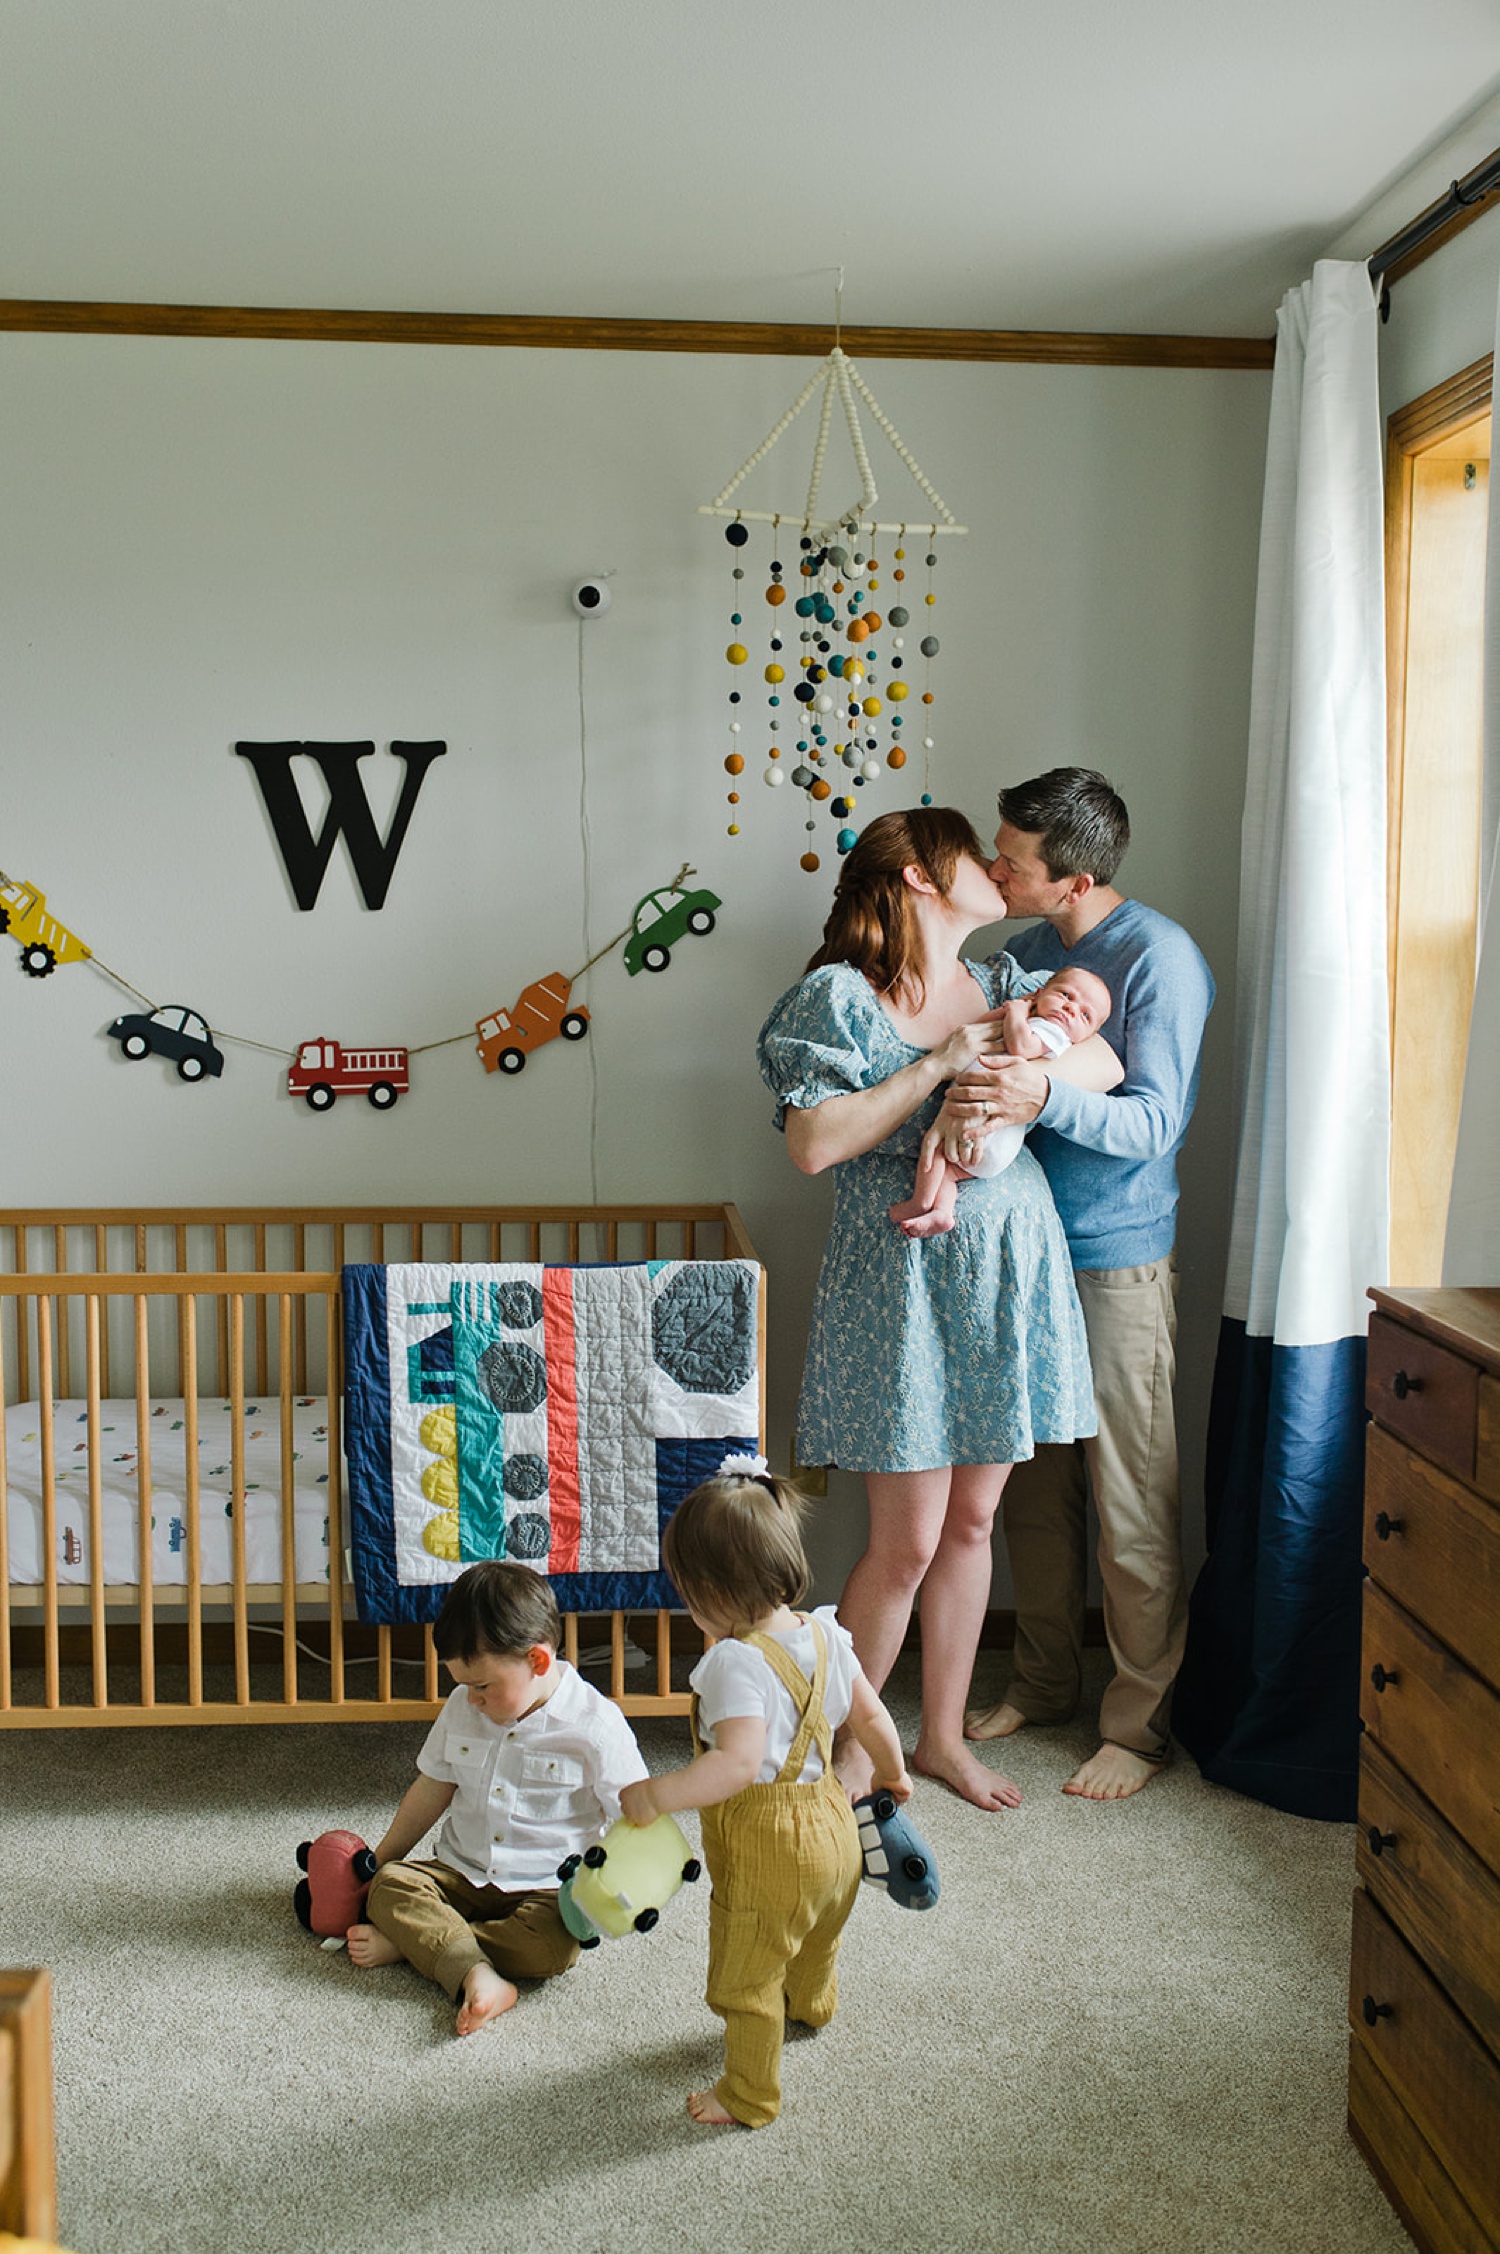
x,y
207,540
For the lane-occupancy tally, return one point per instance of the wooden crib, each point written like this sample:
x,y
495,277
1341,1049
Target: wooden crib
x,y
205,1312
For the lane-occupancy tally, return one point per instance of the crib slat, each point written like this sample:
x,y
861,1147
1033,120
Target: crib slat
x,y
221,1307
617,1655
383,1665
146,1609
262,1317
101,1267
98,1648
236,1315
64,1338
288,1514
23,1326
429,1664
190,1498
179,1249
52,1687
664,1655
299,1310
570,1638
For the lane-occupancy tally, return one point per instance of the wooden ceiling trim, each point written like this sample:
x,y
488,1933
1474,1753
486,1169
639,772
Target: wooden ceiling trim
x,y
562,333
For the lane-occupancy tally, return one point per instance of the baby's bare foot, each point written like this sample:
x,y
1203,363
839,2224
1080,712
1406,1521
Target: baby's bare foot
x,y
957,1768
483,1996
1113,1773
994,1721
368,1945
705,2108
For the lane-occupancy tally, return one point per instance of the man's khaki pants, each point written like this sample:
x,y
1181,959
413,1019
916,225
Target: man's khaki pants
x,y
1131,1317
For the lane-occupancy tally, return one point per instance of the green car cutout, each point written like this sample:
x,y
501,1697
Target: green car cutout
x,y
660,920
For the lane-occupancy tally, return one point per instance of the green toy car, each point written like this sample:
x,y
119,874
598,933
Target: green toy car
x,y
660,921
624,1881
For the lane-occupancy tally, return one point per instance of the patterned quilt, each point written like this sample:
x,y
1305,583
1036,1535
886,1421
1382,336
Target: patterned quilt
x,y
553,1414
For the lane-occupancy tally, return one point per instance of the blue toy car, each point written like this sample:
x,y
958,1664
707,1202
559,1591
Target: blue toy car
x,y
896,1856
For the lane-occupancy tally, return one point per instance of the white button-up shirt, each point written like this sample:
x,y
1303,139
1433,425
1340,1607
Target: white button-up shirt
x,y
533,1791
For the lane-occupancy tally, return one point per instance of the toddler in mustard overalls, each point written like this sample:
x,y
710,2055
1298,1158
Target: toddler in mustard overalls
x,y
779,1835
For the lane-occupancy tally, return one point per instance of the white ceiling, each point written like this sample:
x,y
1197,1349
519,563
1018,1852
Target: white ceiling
x,y
1150,165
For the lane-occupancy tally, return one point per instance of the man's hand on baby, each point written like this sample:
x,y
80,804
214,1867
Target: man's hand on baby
x,y
638,1804
996,1091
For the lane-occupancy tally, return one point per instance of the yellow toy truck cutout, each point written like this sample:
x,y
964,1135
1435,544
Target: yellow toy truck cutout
x,y
43,941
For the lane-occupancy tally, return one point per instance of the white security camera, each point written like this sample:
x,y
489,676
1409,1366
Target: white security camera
x,y
591,596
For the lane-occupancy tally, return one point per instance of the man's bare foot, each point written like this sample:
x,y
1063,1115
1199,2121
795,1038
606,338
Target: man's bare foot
x,y
1113,1773
994,1721
958,1769
483,1996
368,1945
705,2108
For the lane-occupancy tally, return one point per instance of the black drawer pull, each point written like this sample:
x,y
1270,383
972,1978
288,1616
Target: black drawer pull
x,y
1380,1676
1386,1526
1401,1385
1373,2011
1380,1840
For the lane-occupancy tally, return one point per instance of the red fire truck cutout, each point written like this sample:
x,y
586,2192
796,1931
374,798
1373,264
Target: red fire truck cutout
x,y
322,1072
507,1037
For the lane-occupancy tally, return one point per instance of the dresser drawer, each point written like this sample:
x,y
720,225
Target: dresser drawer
x,y
1436,1548
1429,1396
1435,1719
1404,2165
1487,1439
1433,1888
1445,2078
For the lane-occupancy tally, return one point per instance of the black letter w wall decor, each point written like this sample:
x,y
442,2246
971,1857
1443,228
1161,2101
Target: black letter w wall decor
x,y
306,856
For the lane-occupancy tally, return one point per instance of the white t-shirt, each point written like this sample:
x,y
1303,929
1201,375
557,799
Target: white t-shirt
x,y
533,1791
734,1682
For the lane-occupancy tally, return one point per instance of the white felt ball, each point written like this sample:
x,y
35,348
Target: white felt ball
x,y
773,775
927,744
734,727
870,769
823,702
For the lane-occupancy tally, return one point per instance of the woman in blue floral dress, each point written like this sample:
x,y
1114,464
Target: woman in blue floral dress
x,y
933,1365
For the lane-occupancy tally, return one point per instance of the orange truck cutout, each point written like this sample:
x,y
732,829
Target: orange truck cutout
x,y
322,1071
539,1015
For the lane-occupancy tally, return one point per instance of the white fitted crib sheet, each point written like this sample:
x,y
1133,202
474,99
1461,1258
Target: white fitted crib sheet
x,y
169,1535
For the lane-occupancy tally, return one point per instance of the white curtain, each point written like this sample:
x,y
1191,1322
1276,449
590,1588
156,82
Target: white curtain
x,y
1312,1209
1267,1701
1472,1252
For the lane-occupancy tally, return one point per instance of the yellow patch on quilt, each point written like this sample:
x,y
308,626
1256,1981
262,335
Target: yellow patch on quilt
x,y
439,1432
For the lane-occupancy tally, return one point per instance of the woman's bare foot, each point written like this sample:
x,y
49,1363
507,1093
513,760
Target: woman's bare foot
x,y
994,1721
957,1768
705,2108
483,1996
368,1945
1113,1773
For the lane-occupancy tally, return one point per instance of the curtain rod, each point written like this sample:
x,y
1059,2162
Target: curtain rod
x,y
1462,198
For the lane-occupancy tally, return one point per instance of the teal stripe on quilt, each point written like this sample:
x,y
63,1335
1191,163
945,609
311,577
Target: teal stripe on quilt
x,y
481,1428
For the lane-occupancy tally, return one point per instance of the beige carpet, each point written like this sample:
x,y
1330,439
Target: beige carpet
x,y
1121,2031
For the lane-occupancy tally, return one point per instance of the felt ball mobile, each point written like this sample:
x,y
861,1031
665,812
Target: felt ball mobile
x,y
849,688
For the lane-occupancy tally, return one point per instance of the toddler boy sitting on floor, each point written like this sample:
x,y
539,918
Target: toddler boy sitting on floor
x,y
525,1764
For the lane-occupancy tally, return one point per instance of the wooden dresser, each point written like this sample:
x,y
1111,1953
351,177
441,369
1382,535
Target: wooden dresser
x,y
1424,1993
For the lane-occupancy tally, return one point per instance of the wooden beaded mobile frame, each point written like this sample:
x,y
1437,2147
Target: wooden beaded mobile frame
x,y
839,705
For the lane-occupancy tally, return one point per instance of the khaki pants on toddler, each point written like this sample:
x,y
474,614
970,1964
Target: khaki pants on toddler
x,y
444,1925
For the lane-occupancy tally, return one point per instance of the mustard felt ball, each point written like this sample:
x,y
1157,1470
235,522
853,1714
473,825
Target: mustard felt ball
x,y
896,690
895,757
775,673
775,593
736,653
871,706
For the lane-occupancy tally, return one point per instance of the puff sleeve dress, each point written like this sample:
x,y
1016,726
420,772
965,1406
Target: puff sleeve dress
x,y
967,1348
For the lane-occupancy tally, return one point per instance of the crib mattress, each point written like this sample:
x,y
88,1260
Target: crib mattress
x,y
119,1468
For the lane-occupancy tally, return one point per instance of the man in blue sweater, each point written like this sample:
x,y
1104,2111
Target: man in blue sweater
x,y
1112,1164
